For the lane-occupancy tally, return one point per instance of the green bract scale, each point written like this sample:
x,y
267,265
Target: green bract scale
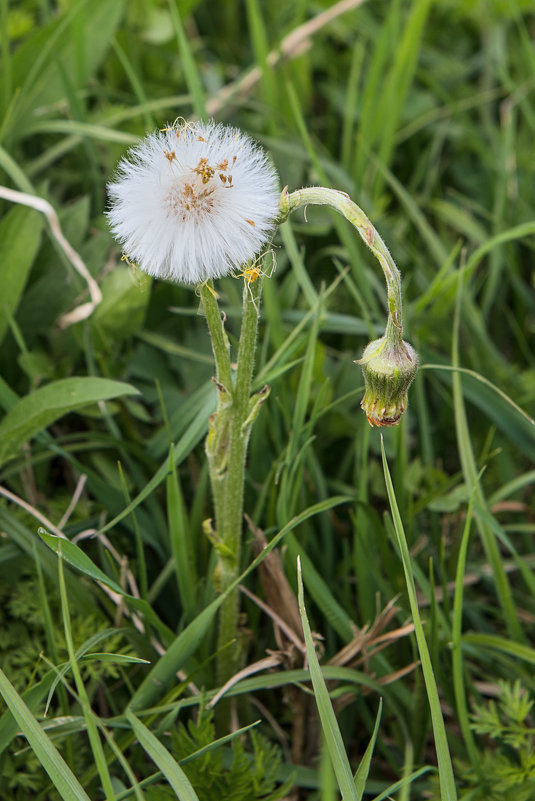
x,y
389,368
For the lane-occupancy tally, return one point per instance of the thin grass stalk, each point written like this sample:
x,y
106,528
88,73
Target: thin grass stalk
x,y
490,546
329,724
456,644
92,730
447,781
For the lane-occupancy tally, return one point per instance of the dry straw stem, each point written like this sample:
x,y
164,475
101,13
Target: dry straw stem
x,y
295,44
40,204
366,643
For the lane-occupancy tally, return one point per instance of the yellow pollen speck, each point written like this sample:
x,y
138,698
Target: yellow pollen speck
x,y
130,263
252,273
170,155
204,170
250,222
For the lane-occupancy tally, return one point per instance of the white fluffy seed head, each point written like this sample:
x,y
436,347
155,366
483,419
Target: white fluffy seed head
x,y
193,202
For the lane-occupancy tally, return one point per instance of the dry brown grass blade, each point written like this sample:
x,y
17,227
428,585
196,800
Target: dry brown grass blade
x,y
40,204
280,597
279,622
272,661
368,636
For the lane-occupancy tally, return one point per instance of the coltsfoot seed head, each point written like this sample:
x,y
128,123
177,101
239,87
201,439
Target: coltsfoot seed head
x,y
193,202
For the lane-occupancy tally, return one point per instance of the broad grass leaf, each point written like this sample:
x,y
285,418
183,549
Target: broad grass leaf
x,y
122,310
163,759
46,752
71,553
20,235
73,45
39,409
33,697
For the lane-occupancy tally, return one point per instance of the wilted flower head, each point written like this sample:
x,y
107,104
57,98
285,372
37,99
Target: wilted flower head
x,y
191,202
389,366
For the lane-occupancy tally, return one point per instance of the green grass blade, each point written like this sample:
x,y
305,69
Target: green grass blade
x,y
516,232
456,632
405,790
74,555
447,781
20,236
140,551
55,50
61,775
191,72
302,398
137,85
179,533
162,758
258,34
90,720
320,591
481,378
296,260
5,59
331,732
401,75
286,350
470,472
503,645
32,698
406,781
193,434
428,234
363,769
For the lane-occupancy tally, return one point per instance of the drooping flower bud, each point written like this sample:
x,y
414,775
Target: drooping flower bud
x,y
389,367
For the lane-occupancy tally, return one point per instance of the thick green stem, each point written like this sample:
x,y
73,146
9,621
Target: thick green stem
x,y
220,343
216,441
226,448
319,195
229,524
